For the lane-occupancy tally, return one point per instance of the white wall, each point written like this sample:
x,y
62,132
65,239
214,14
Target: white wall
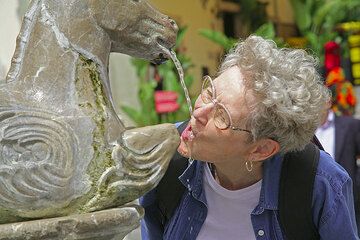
x,y
9,28
124,84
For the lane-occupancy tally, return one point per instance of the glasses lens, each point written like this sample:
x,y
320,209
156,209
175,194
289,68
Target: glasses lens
x,y
207,90
221,118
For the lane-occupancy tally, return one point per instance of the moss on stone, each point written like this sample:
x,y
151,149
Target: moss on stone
x,y
97,106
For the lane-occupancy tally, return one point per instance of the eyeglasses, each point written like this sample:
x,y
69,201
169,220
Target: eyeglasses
x,y
222,118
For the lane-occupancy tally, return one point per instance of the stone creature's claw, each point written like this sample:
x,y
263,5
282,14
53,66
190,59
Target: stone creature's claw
x,y
146,153
142,157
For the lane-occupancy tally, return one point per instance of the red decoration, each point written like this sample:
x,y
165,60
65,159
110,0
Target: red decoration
x,y
332,56
165,101
343,95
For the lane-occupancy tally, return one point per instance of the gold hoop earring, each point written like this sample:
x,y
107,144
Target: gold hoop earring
x,y
249,166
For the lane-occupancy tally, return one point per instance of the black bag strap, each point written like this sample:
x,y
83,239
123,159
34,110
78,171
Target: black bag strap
x,y
170,189
296,193
316,141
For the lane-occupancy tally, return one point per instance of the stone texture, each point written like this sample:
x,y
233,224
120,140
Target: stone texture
x,y
100,225
63,149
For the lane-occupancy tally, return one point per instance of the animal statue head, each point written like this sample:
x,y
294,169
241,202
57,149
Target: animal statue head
x,y
63,149
147,31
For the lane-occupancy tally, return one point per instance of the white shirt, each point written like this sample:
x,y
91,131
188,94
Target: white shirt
x,y
326,134
228,211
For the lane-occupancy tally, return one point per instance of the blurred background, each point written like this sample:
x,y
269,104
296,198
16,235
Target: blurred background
x,y
146,94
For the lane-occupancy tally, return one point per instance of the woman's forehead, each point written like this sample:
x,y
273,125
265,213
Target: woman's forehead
x,y
232,93
231,73
231,79
230,82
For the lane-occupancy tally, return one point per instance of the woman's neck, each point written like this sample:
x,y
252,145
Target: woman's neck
x,y
235,178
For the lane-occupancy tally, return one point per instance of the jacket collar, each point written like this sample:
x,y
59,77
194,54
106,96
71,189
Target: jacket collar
x,y
192,179
271,183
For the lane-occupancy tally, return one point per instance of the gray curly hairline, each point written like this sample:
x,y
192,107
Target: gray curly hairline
x,y
291,96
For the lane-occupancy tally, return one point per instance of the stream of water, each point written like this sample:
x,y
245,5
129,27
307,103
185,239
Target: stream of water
x,y
180,70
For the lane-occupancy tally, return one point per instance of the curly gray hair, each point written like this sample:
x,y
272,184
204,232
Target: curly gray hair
x,y
291,96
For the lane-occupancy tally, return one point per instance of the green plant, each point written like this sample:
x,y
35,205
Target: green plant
x,y
147,115
317,19
252,14
266,30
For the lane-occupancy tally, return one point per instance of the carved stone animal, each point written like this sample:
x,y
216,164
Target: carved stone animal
x,y
63,149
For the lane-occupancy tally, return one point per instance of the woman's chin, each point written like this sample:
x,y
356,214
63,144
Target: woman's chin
x,y
183,149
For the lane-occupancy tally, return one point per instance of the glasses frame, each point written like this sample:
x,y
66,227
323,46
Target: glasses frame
x,y
218,104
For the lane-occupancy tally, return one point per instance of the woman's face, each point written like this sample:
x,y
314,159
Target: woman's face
x,y
202,140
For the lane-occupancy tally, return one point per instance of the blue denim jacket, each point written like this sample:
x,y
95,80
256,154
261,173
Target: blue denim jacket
x,y
333,207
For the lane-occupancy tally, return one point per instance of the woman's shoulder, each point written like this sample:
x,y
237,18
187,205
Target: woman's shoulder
x,y
330,173
333,200
332,185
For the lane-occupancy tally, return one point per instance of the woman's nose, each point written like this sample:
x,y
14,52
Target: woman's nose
x,y
202,112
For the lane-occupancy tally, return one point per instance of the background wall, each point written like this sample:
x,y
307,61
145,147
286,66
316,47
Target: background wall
x,y
280,12
196,14
9,27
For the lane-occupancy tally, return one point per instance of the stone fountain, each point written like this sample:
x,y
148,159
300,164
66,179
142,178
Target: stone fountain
x,y
68,165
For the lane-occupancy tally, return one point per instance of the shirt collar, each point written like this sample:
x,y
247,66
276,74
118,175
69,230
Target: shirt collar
x,y
192,179
329,121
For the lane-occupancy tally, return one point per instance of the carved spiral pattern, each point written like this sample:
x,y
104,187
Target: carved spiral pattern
x,y
37,150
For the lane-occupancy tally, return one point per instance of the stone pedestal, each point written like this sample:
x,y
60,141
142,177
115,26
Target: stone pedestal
x,y
111,224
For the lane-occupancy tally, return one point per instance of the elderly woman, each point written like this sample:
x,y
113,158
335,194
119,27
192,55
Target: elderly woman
x,y
264,103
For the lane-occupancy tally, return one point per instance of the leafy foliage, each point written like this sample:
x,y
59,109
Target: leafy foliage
x,y
219,38
317,19
253,14
147,115
266,30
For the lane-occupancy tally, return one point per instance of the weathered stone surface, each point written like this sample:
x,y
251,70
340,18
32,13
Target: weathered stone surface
x,y
63,149
100,225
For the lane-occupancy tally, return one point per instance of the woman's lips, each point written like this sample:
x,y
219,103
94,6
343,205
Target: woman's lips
x,y
187,134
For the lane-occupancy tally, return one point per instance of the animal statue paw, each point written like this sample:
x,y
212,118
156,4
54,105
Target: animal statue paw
x,y
142,157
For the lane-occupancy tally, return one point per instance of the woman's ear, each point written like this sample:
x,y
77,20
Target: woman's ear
x,y
264,149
